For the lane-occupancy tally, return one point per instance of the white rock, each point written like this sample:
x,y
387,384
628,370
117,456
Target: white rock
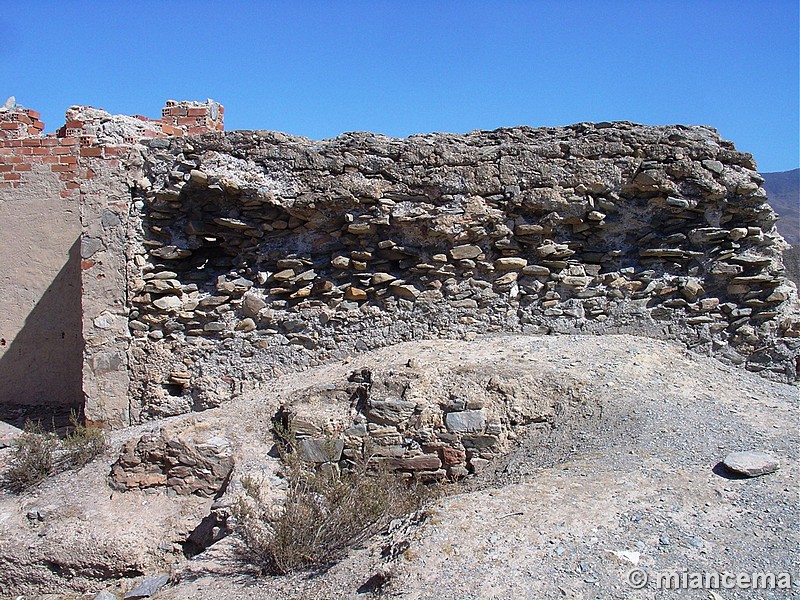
x,y
751,463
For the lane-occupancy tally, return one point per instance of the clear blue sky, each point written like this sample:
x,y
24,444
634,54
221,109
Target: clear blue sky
x,y
321,68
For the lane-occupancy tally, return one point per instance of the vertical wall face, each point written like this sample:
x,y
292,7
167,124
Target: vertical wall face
x,y
254,253
44,180
40,352
106,257
40,323
104,215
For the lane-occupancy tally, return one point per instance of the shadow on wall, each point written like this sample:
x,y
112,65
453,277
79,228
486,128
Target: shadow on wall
x,y
40,370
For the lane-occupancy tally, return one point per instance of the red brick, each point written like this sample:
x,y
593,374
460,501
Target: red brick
x,y
61,168
197,112
11,176
86,263
34,114
49,160
33,130
23,118
23,167
8,126
89,174
72,185
40,151
31,143
452,456
50,142
68,160
63,150
115,150
74,124
67,193
26,151
6,168
70,176
68,141
38,124
92,151
13,143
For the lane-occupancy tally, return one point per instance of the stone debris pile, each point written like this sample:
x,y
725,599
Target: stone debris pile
x,y
188,459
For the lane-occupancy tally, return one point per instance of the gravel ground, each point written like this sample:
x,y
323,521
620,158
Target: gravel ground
x,y
629,479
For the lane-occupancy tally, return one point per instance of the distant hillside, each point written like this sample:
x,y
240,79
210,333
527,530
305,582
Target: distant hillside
x,y
783,190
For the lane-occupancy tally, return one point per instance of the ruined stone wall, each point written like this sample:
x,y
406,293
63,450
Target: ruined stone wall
x,y
250,254
43,179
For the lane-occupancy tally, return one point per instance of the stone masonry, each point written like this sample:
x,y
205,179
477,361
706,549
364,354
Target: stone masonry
x,y
250,254
43,179
211,262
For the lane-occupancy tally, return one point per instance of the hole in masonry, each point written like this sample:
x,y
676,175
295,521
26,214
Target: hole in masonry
x,y
174,389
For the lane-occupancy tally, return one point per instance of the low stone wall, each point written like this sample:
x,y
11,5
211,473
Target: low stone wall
x,y
188,459
248,254
421,420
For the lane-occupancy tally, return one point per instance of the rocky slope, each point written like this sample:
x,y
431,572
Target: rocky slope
x,y
783,190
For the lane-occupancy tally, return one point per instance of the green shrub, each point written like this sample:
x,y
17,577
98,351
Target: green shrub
x,y
324,514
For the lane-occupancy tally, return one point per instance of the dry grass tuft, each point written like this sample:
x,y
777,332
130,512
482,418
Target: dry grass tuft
x,y
33,458
83,444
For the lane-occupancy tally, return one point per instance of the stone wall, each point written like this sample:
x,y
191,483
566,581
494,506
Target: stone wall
x,y
250,254
186,269
44,180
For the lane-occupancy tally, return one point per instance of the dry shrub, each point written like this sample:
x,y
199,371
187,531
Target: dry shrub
x,y
34,457
83,444
39,453
324,514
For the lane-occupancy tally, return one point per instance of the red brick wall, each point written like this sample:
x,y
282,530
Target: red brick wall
x,y
23,146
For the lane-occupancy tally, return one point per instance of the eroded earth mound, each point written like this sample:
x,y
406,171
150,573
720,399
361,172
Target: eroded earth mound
x,y
604,455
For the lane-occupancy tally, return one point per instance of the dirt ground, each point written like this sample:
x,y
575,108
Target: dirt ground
x,y
628,478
